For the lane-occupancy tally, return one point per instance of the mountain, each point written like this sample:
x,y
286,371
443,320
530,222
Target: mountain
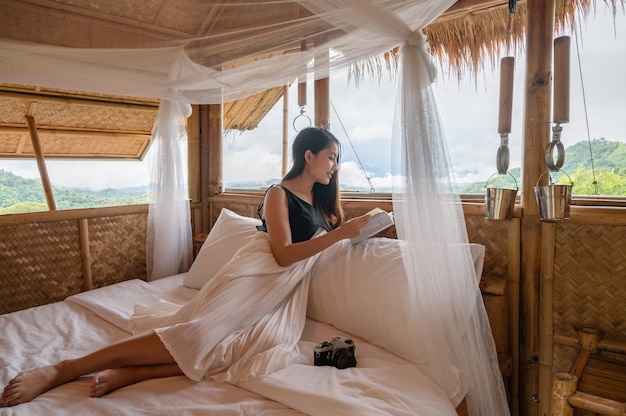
x,y
19,194
608,170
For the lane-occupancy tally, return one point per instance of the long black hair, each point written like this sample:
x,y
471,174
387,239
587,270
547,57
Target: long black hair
x,y
326,197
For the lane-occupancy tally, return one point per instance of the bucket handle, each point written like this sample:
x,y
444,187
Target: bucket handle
x,y
550,177
498,173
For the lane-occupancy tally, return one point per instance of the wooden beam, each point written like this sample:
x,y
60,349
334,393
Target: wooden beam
x,y
78,132
71,214
463,8
41,163
60,98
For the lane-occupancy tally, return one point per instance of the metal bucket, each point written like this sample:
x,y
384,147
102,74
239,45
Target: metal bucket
x,y
554,200
499,202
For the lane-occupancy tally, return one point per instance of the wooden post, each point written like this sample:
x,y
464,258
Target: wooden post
x,y
564,385
537,100
205,161
85,254
41,163
513,277
546,331
285,148
216,174
194,169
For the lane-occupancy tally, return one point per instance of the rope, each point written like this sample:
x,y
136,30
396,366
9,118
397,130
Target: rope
x,y
353,148
582,84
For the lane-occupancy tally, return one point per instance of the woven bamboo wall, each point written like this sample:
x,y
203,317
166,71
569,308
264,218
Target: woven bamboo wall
x,y
494,236
39,263
589,284
41,259
118,248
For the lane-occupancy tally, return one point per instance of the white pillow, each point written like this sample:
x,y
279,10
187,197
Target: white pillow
x,y
230,232
362,289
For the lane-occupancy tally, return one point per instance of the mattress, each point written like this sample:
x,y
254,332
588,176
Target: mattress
x,y
382,383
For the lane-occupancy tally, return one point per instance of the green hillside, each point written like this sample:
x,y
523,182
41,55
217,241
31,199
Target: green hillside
x,y
19,194
609,163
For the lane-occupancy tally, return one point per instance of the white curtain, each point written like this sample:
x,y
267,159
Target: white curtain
x,y
455,328
168,247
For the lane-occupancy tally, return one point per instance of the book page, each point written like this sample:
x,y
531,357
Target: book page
x,y
378,221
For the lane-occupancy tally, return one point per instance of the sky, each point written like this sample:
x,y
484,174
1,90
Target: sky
x,y
361,118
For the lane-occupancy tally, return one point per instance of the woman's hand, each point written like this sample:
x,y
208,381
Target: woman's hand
x,y
353,226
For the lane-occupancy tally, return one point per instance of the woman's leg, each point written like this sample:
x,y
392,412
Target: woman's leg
x,y
111,379
141,351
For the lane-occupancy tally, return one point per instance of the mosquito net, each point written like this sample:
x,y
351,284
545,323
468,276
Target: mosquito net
x,y
320,38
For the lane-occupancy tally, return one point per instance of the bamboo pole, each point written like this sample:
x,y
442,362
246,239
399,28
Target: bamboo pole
x,y
205,161
193,170
215,144
71,214
41,163
539,33
322,103
588,343
216,181
65,99
561,79
597,405
507,65
321,88
302,92
85,255
513,293
285,147
546,330
564,385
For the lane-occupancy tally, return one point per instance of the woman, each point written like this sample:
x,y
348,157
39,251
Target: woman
x,y
306,200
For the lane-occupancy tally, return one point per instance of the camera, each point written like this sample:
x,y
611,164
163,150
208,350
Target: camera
x,y
337,352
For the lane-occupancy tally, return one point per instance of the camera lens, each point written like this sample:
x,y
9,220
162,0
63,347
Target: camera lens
x,y
344,359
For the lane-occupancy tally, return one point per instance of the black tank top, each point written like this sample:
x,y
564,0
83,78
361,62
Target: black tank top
x,y
304,219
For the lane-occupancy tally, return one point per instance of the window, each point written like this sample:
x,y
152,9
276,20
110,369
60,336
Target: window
x,y
469,112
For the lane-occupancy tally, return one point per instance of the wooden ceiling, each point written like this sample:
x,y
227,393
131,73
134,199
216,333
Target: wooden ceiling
x,y
74,124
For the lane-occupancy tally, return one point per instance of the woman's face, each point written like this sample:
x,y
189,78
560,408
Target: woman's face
x,y
324,164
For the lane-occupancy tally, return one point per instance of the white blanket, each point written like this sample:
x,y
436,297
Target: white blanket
x,y
381,384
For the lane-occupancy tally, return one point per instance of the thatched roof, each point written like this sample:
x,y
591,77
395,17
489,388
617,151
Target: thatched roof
x,y
78,124
473,32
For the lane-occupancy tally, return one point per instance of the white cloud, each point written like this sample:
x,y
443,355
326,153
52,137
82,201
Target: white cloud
x,y
94,175
252,164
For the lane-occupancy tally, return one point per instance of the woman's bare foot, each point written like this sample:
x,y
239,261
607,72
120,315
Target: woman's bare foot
x,y
27,385
106,381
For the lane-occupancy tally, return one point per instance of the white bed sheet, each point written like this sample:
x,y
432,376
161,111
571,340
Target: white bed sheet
x,y
381,384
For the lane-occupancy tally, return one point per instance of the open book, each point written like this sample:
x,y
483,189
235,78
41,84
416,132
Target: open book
x,y
378,221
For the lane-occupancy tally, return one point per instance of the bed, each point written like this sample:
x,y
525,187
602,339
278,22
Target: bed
x,y
355,292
